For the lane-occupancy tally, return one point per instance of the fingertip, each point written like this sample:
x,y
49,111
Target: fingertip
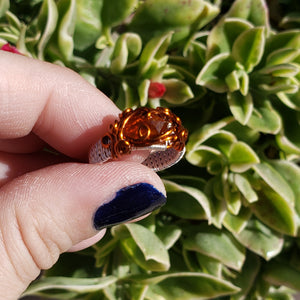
x,y
53,102
88,242
61,207
129,203
81,198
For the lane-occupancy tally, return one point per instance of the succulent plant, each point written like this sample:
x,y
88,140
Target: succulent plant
x,y
231,71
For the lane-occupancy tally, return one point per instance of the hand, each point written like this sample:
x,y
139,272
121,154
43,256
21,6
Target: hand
x,y
50,203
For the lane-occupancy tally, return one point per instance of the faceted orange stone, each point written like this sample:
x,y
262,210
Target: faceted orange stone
x,y
144,127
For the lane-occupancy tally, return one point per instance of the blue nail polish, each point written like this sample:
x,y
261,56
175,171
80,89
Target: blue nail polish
x,y
129,203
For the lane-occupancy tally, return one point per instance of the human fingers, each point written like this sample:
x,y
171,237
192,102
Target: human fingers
x,y
53,102
14,165
46,212
88,242
26,144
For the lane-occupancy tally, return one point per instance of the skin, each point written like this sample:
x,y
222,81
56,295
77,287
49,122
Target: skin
x,y
47,201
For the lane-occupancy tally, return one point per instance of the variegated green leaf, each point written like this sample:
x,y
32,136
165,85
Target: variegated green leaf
x,y
244,186
275,211
236,223
4,6
47,22
145,248
177,91
80,285
115,11
217,244
127,48
64,30
223,35
254,11
213,75
187,201
185,285
248,48
88,23
154,51
241,106
241,157
265,119
260,239
275,180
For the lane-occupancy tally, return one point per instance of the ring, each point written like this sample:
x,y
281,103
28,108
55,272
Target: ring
x,y
156,130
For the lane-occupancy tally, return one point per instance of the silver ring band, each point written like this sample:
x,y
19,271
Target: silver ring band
x,y
158,159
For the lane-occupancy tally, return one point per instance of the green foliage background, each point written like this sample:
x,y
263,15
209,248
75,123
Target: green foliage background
x,y
230,228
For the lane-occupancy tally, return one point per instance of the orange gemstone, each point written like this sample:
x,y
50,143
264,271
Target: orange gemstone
x,y
144,127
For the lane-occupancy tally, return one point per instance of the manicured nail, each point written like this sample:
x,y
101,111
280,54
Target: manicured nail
x,y
129,203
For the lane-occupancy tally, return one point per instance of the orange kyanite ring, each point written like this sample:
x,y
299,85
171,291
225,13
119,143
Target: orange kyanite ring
x,y
157,130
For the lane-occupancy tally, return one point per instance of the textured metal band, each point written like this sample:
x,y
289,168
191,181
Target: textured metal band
x,y
160,156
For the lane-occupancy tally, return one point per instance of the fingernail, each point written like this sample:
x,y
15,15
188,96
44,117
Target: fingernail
x,y
129,203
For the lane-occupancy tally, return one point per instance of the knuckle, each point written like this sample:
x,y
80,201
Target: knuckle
x,y
16,262
41,236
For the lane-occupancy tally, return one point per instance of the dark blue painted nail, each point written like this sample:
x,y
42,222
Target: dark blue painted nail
x,y
129,203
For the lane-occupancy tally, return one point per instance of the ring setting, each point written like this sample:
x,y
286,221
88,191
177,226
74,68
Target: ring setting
x,y
156,130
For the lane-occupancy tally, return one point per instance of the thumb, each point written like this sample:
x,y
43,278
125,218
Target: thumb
x,y
46,212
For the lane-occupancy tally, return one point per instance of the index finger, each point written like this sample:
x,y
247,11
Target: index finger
x,y
53,102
